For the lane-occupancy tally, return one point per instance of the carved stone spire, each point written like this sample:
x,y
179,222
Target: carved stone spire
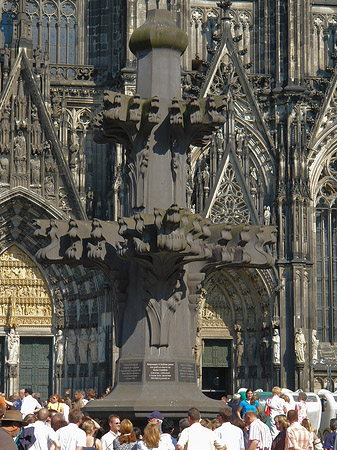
x,y
22,35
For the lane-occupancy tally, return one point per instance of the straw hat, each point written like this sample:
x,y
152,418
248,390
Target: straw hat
x,y
13,415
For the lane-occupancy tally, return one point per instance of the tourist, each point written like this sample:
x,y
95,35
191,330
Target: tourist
x,y
55,404
215,424
91,442
156,418
298,438
29,404
207,423
276,407
58,421
314,438
18,403
234,404
78,399
196,436
227,434
250,404
167,442
46,437
301,407
10,427
287,402
151,438
71,436
281,424
259,436
91,394
127,439
108,438
330,439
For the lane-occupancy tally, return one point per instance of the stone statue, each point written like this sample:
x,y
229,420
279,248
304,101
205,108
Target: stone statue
x,y
93,345
4,170
300,346
35,169
239,348
314,344
267,215
13,347
101,345
59,348
83,342
20,152
276,347
71,346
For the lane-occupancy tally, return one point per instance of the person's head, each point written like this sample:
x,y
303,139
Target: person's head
x,y
276,390
55,398
155,417
249,394
43,414
285,398
138,433
193,415
127,435
333,424
237,398
22,393
262,416
207,423
75,416
302,396
91,394
58,421
250,416
28,391
12,422
225,414
82,394
306,424
184,423
238,423
281,422
30,418
151,435
114,423
89,427
167,426
77,395
292,416
215,424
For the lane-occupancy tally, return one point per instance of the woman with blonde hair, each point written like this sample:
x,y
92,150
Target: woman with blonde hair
x,y
127,439
55,404
91,442
151,438
275,406
281,424
314,438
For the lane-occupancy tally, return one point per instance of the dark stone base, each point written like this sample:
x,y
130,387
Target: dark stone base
x,y
137,401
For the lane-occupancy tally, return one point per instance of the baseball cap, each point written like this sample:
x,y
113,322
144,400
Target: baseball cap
x,y
155,415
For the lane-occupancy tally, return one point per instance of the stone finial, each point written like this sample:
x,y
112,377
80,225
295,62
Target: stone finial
x,y
159,31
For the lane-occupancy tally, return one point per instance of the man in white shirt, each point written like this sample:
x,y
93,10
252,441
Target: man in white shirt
x,y
227,434
46,437
71,437
196,436
108,438
259,437
29,404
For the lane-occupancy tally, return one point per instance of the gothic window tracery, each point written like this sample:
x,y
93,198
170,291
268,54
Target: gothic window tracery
x,y
8,14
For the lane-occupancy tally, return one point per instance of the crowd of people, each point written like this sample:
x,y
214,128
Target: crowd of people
x,y
59,424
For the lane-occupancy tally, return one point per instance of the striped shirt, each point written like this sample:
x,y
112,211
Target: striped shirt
x,y
298,438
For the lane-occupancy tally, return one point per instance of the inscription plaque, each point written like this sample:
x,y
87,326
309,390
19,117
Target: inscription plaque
x,y
186,372
130,371
160,371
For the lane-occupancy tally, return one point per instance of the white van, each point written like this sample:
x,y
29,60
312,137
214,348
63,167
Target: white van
x,y
329,410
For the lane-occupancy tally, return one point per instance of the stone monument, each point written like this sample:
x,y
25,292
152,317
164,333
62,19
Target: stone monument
x,y
166,250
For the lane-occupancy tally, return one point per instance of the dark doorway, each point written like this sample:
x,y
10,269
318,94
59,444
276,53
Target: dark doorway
x,y
216,368
36,365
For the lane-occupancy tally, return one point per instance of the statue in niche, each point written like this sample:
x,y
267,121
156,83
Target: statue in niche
x,y
4,170
59,348
314,345
101,345
13,347
35,166
300,345
266,215
93,345
5,130
20,152
71,347
239,348
83,343
49,162
276,347
49,185
73,149
38,57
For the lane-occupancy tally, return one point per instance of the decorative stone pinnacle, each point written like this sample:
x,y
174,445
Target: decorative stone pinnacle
x,y
225,6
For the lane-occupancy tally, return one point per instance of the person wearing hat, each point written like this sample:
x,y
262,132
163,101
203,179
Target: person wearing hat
x,y
9,428
156,418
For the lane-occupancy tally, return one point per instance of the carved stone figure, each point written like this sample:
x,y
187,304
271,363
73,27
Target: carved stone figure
x,y
49,185
83,342
314,345
35,165
101,345
93,345
4,170
13,347
20,152
239,348
71,346
59,348
276,347
73,150
300,345
267,215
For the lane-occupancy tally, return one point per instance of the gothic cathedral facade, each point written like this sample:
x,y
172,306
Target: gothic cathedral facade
x,y
273,162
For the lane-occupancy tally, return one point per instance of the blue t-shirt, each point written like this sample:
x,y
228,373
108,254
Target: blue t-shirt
x,y
330,440
246,406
